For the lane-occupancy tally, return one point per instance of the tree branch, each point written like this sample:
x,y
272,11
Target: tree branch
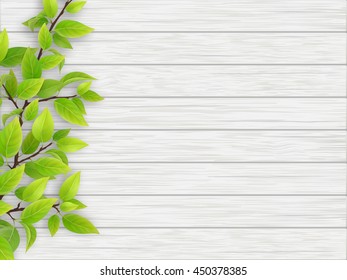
x,y
54,23
57,97
10,97
18,209
33,155
21,209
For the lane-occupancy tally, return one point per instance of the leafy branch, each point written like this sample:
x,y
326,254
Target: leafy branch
x,y
41,154
54,23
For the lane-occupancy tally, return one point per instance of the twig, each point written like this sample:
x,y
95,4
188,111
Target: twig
x,y
57,97
33,155
10,97
54,23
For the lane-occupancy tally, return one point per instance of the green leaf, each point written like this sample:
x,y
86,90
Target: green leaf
x,y
37,21
45,37
1,161
79,103
30,233
83,88
11,139
92,96
32,110
72,29
51,61
61,41
53,224
71,145
78,203
68,207
4,43
30,144
75,7
34,191
4,207
11,84
10,233
58,155
29,88
62,63
78,224
46,167
61,134
10,179
43,127
6,252
14,57
70,187
69,111
75,77
19,192
50,7
31,67
37,210
15,112
49,88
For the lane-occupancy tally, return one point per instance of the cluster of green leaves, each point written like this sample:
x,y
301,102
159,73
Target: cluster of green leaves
x,y
32,153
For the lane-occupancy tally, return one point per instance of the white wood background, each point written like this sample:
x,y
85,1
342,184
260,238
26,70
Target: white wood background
x,y
223,131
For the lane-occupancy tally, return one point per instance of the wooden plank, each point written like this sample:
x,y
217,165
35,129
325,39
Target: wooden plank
x,y
205,81
191,244
217,48
211,146
195,15
215,81
203,211
209,179
211,113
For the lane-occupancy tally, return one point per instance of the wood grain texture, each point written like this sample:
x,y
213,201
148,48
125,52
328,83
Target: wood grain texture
x,y
211,113
206,81
217,48
161,178
197,15
191,244
214,81
211,146
210,212
211,179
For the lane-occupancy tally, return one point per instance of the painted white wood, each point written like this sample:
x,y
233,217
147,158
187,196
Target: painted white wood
x,y
201,81
211,113
211,146
217,48
224,211
195,15
153,194
191,244
208,179
214,81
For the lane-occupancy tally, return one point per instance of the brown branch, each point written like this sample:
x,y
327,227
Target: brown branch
x,y
54,23
17,209
33,155
1,197
21,209
57,97
10,97
55,206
